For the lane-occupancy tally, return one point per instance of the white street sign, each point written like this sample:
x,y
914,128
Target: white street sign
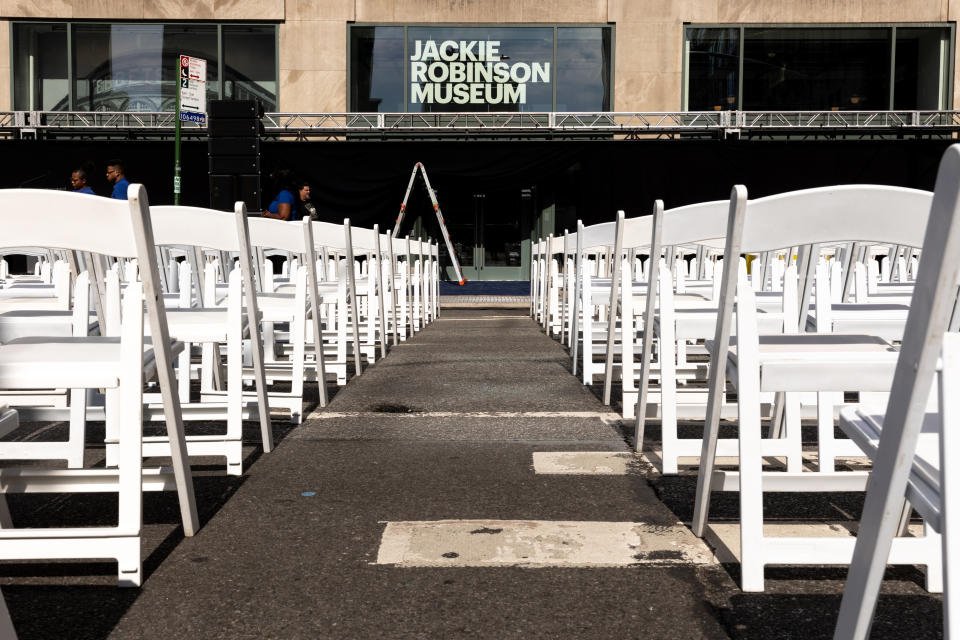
x,y
193,89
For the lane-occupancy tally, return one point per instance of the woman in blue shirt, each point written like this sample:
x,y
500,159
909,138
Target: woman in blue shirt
x,y
284,206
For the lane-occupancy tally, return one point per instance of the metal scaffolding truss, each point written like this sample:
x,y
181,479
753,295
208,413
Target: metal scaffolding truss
x,y
93,124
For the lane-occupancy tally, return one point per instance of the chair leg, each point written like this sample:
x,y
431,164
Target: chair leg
x,y
234,437
825,441
78,425
111,410
6,522
183,369
791,431
751,494
668,406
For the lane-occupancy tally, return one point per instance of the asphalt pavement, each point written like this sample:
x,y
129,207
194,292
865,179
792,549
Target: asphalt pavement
x,y
442,431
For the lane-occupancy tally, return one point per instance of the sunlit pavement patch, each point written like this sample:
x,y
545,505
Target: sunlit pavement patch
x,y
597,463
538,543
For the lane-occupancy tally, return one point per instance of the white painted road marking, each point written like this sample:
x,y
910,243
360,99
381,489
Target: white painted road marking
x,y
538,543
596,463
606,416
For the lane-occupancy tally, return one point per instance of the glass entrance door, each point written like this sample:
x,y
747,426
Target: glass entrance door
x,y
500,227
490,233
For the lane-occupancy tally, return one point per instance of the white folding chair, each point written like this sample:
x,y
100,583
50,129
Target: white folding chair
x,y
794,363
911,448
120,364
212,324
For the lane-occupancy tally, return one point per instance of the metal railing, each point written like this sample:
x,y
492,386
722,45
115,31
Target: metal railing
x,y
602,124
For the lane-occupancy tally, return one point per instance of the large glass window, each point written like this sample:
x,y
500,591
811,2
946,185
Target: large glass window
x,y
921,68
713,64
487,68
134,66
376,66
250,64
810,69
871,68
583,69
40,80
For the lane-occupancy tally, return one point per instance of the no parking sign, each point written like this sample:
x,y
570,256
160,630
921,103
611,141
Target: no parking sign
x,y
193,89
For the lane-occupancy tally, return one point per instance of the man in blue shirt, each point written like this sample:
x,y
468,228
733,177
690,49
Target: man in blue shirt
x,y
78,180
116,177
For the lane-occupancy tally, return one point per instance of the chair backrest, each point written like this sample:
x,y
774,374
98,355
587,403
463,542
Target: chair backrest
x,y
207,228
364,240
596,236
330,235
845,213
70,221
278,234
636,232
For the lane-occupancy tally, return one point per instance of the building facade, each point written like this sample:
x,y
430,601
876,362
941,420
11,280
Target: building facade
x,y
416,56
568,55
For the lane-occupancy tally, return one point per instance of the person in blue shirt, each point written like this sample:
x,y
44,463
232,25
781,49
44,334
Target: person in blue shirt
x,y
78,180
285,205
116,177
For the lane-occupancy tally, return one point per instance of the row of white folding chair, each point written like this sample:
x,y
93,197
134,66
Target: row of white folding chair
x,y
120,364
668,288
189,324
691,322
795,362
192,322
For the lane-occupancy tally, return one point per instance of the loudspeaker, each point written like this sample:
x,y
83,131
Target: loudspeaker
x,y
226,190
234,164
233,153
234,128
233,147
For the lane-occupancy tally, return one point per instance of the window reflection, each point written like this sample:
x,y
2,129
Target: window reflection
x,y
40,67
134,67
920,76
810,69
583,69
376,69
250,64
713,64
818,68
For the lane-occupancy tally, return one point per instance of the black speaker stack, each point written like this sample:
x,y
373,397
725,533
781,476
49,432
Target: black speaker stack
x,y
233,151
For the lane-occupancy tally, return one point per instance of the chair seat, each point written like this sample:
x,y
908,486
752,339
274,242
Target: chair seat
x,y
701,323
196,325
53,363
886,320
821,362
274,307
28,323
27,290
864,424
323,288
19,304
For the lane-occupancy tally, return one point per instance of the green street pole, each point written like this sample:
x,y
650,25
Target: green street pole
x,y
176,143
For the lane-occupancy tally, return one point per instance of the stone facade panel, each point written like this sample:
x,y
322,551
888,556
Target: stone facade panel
x,y
313,45
313,91
647,91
